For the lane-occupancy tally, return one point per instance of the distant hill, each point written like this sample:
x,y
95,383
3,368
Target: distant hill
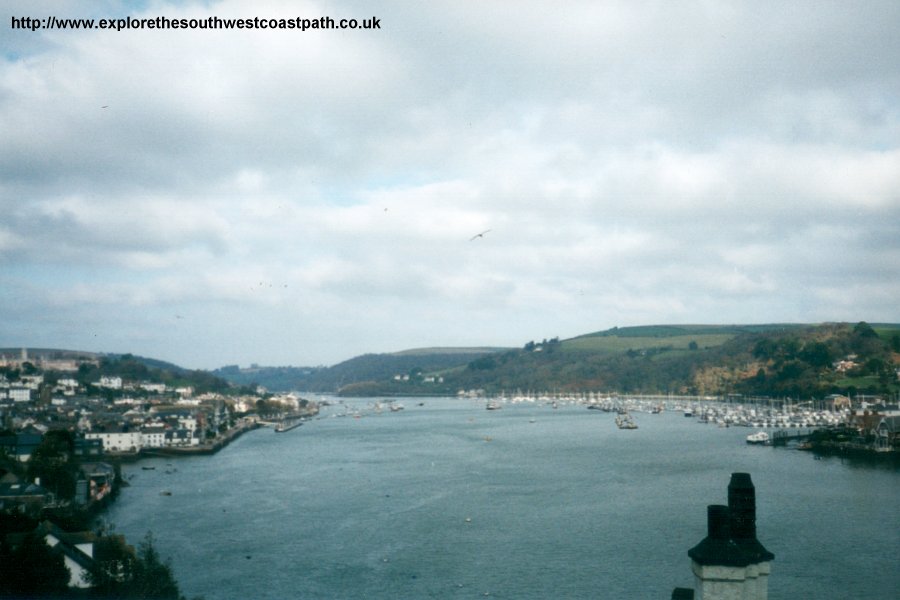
x,y
91,366
152,363
621,339
139,368
447,351
54,354
276,379
796,360
49,353
663,331
773,360
368,369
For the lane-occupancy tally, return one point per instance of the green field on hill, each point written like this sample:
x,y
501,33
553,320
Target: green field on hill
x,y
616,344
886,331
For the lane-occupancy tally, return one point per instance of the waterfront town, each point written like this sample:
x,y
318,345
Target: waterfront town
x,y
63,440
66,428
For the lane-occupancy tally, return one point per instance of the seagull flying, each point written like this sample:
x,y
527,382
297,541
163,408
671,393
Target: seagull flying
x,y
478,235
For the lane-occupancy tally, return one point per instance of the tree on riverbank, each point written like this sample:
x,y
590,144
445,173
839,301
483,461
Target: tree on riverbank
x,y
124,573
54,464
32,570
152,576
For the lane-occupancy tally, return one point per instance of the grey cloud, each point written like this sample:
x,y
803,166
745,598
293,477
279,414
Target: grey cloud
x,y
634,162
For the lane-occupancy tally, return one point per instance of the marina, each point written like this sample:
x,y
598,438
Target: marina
x,y
758,413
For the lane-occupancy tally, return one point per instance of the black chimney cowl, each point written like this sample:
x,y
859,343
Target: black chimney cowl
x,y
742,506
731,537
718,548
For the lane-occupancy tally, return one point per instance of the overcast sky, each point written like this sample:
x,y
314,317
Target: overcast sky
x,y
289,198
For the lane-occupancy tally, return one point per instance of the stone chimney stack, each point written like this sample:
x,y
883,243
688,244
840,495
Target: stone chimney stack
x,y
730,563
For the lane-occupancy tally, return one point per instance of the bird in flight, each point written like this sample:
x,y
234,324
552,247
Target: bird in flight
x,y
478,235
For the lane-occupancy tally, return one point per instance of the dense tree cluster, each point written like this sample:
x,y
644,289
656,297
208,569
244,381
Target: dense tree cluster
x,y
131,368
779,362
30,568
54,464
123,573
801,363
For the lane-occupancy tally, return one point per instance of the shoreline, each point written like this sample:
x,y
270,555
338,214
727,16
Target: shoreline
x,y
93,513
202,449
199,450
855,452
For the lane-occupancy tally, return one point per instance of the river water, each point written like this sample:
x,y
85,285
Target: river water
x,y
448,500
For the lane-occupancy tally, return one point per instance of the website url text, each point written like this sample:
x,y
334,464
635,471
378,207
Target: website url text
x,y
129,23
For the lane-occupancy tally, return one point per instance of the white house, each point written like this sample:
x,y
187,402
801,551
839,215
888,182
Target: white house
x,y
188,422
20,394
32,381
182,437
68,387
188,402
117,440
113,383
153,436
243,405
77,550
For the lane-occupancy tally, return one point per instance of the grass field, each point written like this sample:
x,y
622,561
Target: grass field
x,y
886,330
613,344
866,382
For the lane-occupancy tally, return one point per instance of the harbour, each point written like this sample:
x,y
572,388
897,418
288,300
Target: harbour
x,y
288,425
447,500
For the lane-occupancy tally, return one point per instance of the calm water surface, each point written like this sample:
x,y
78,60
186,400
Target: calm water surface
x,y
448,500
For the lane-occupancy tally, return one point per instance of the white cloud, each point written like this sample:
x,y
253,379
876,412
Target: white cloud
x,y
302,198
